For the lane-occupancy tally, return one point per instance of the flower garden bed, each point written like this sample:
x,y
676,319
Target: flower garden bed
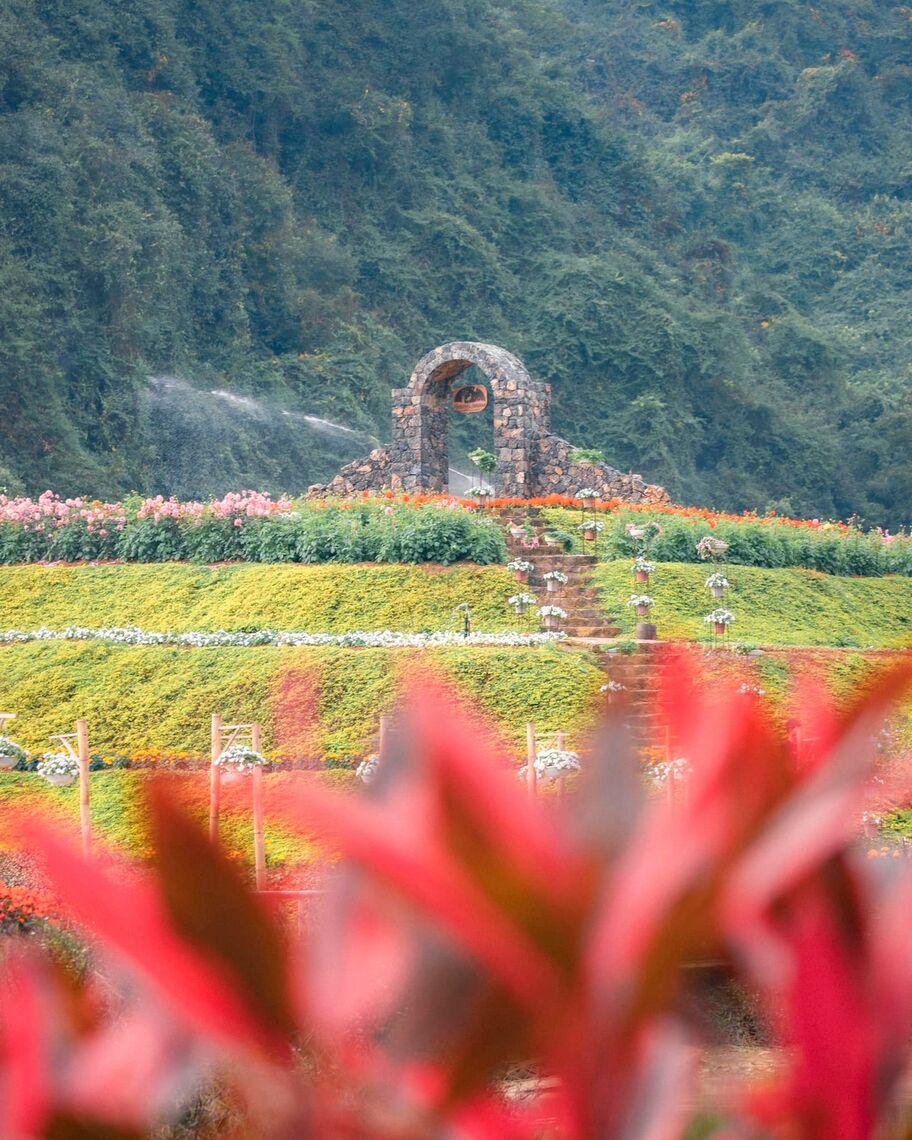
x,y
773,607
248,527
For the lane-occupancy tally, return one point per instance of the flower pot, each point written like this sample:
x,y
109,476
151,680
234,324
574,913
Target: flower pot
x,y
520,607
61,779
642,611
642,575
549,621
718,591
231,774
551,586
521,575
589,535
7,762
719,628
645,631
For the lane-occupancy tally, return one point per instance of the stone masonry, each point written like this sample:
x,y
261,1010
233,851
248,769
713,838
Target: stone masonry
x,y
531,460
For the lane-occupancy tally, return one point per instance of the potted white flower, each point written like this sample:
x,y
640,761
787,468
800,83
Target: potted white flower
x,y
587,493
520,602
521,569
718,583
551,616
368,768
641,603
481,492
58,768
590,528
642,568
240,760
10,753
720,620
553,579
553,763
711,547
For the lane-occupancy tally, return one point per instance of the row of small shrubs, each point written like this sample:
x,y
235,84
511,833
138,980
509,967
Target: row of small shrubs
x,y
831,548
343,532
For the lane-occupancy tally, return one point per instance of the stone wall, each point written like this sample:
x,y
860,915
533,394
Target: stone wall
x,y
556,474
371,473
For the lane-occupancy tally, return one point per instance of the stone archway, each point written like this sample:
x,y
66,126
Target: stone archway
x,y
419,454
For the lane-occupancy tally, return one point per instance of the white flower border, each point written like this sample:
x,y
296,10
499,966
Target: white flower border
x,y
358,639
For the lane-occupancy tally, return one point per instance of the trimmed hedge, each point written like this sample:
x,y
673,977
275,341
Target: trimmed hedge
x,y
369,530
770,543
772,607
178,597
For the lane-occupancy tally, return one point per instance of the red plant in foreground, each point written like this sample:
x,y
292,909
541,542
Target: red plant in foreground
x,y
469,931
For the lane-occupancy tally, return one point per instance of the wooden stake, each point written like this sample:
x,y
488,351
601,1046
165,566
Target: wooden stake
x,y
561,742
384,736
531,754
259,846
215,771
85,812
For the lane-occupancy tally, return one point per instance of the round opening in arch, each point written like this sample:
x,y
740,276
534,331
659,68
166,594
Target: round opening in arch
x,y
470,423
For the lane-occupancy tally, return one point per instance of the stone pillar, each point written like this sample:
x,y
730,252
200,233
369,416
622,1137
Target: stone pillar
x,y
419,453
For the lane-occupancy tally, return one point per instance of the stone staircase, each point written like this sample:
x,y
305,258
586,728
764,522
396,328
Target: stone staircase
x,y
581,600
638,673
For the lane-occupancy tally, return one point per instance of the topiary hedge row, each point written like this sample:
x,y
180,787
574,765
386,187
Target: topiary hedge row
x,y
831,548
247,528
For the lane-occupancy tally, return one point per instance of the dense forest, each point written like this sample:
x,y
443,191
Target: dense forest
x,y
692,218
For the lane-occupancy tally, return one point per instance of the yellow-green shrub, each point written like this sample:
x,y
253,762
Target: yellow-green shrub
x,y
178,597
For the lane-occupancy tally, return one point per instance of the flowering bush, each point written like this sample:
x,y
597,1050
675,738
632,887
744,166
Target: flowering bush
x,y
22,907
482,492
520,566
57,764
716,581
719,617
640,600
247,526
592,525
552,612
567,937
643,566
556,576
241,758
586,493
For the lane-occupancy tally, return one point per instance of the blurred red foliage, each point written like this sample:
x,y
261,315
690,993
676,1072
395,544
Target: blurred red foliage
x,y
469,930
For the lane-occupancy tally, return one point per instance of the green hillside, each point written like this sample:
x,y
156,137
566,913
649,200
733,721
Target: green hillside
x,y
692,219
309,701
177,597
771,607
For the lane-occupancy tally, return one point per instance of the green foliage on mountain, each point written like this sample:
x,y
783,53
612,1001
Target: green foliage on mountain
x,y
692,218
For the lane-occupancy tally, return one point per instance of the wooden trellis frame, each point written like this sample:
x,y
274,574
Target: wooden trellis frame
x,y
223,736
81,755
